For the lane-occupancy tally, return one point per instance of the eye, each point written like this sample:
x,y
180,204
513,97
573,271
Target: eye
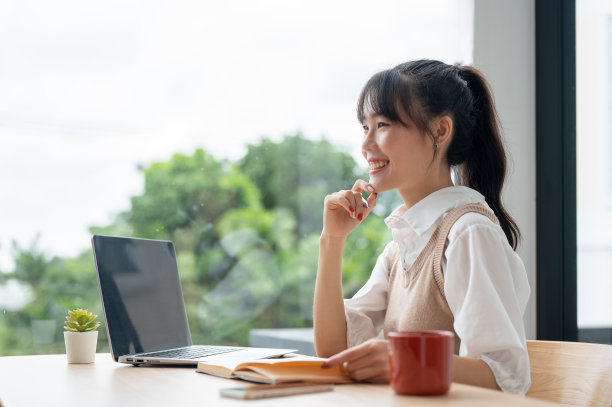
x,y
365,128
382,124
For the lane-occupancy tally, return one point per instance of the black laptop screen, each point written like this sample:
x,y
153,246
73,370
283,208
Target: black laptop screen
x,y
141,294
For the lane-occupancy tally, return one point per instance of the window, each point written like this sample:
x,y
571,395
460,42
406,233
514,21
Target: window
x,y
594,168
573,80
608,51
218,125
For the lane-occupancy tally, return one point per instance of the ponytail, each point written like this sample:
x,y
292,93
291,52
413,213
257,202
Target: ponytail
x,y
427,89
485,168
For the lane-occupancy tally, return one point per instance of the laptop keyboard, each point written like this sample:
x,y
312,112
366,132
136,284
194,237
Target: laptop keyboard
x,y
192,352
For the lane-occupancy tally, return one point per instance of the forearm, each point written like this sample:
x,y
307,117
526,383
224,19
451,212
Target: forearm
x,y
473,371
329,317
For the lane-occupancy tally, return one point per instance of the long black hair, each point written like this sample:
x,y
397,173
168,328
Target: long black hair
x,y
426,89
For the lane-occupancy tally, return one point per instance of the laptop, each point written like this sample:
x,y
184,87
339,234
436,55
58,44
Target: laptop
x,y
143,306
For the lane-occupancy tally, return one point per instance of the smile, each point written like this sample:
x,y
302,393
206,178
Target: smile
x,y
378,164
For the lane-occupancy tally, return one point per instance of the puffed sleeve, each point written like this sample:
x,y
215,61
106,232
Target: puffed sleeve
x,y
365,312
487,290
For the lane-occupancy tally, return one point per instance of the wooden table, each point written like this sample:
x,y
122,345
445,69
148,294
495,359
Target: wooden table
x,y
50,381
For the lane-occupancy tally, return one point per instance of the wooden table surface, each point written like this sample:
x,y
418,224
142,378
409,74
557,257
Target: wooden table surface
x,y
50,381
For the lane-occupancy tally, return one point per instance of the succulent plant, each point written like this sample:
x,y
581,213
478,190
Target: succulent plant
x,y
80,320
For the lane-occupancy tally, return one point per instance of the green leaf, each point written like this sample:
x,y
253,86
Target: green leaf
x,y
71,324
91,325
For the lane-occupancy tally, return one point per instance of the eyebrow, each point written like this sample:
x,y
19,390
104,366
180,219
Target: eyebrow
x,y
376,116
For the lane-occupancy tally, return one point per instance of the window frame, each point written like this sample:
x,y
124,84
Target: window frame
x,y
555,36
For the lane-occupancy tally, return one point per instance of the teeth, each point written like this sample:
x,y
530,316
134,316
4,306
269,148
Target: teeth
x,y
378,164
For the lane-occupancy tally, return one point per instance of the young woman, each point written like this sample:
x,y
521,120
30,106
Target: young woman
x,y
451,264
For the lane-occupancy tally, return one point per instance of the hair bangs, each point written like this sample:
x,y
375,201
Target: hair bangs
x,y
388,94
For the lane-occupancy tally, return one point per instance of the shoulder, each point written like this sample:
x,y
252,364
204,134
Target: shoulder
x,y
478,254
473,225
388,255
475,244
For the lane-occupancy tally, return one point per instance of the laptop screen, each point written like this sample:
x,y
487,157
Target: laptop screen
x,y
141,294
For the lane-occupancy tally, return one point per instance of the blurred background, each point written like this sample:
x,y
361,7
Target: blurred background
x,y
222,125
217,125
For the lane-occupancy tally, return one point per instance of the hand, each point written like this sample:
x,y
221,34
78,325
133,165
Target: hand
x,y
367,362
344,210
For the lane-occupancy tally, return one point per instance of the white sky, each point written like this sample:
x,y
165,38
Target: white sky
x,y
90,90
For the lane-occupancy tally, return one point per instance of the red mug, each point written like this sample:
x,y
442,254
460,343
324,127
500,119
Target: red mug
x,y
420,362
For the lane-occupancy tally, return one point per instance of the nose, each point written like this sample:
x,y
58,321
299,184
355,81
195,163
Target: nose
x,y
368,140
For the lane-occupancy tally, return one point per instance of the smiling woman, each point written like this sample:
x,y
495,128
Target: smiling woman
x,y
98,98
452,263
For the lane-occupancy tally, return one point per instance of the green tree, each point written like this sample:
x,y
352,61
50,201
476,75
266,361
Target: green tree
x,y
188,192
55,284
246,235
297,173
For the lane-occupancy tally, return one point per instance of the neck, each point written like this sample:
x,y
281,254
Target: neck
x,y
414,194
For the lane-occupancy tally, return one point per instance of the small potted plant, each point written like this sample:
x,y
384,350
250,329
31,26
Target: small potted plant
x,y
80,336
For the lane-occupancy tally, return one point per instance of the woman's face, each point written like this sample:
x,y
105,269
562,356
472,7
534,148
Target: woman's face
x,y
400,156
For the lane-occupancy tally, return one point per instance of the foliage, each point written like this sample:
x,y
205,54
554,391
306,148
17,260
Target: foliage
x,y
296,173
81,320
188,192
246,236
54,285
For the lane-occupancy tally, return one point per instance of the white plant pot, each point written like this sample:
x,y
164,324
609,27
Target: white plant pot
x,y
81,346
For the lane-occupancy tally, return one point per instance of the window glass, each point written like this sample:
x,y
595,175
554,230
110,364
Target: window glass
x,y
594,168
218,125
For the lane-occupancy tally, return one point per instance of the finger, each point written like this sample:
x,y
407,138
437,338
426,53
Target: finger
x,y
355,202
367,361
353,353
362,207
339,199
367,205
378,355
372,200
361,185
348,205
370,373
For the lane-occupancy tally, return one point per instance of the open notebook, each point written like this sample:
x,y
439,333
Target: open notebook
x,y
290,369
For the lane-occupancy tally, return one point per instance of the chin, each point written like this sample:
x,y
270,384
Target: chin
x,y
380,187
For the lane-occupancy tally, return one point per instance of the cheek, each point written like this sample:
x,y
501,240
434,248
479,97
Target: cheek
x,y
409,147
391,144
412,156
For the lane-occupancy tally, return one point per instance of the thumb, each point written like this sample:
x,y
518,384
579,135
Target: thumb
x,y
370,203
372,200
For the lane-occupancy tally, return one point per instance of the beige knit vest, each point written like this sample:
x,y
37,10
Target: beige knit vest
x,y
416,300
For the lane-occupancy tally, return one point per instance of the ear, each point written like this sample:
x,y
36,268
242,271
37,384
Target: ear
x,y
443,129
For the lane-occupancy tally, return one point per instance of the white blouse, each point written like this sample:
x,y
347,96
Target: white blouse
x,y
485,284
